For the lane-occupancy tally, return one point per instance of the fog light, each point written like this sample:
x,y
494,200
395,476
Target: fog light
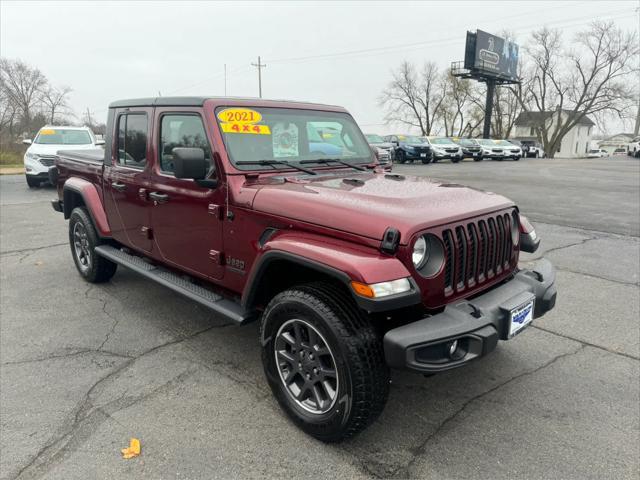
x,y
453,347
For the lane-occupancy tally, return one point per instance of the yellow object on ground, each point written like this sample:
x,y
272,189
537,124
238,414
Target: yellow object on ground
x,y
133,450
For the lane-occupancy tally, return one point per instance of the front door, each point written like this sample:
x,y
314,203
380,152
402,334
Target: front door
x,y
125,180
186,218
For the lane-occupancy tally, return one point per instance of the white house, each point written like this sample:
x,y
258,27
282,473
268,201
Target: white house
x,y
575,143
621,140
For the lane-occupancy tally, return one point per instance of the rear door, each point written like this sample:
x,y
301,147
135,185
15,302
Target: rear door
x,y
186,218
126,179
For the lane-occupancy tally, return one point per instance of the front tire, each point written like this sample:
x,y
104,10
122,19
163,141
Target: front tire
x,y
83,240
324,361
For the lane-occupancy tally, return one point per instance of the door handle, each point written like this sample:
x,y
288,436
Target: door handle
x,y
121,187
158,197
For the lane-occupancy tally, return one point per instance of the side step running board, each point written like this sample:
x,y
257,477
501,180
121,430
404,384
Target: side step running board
x,y
227,308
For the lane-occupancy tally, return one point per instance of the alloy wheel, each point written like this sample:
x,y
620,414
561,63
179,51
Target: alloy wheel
x,y
306,366
81,246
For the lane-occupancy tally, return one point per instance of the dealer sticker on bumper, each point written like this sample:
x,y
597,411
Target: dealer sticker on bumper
x,y
520,318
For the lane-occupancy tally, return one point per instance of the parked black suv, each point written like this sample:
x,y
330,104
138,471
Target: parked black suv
x,y
470,148
407,148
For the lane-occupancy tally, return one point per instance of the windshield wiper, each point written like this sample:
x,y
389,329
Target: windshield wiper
x,y
273,163
333,160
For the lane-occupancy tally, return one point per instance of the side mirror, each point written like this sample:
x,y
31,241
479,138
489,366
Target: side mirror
x,y
27,141
99,142
190,163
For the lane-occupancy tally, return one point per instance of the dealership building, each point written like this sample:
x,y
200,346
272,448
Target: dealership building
x,y
575,143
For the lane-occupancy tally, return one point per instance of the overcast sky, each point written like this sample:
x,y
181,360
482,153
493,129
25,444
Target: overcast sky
x,y
338,53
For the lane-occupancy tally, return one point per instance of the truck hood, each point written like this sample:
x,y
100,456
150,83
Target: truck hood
x,y
52,149
367,204
445,145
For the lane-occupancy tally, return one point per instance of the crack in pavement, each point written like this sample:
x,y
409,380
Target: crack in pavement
x,y
32,249
74,353
599,277
585,343
403,471
576,244
40,463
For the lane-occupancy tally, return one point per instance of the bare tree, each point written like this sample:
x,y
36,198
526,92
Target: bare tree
x,y
590,79
506,112
22,85
54,101
8,111
414,99
458,95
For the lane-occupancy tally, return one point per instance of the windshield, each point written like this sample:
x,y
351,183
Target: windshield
x,y
467,142
50,136
410,139
440,140
505,143
486,141
594,151
254,134
374,138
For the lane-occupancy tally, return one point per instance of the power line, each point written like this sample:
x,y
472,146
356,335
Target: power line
x,y
425,43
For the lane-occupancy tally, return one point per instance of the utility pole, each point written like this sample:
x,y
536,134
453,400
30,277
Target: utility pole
x,y
636,129
259,66
89,117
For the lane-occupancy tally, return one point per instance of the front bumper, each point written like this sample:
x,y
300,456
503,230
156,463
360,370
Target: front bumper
x,y
414,155
477,324
471,154
446,155
33,166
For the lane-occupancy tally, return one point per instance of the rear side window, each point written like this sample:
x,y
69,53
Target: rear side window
x,y
132,140
181,130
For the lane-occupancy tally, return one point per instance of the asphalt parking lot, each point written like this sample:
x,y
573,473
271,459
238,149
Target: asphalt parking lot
x,y
86,367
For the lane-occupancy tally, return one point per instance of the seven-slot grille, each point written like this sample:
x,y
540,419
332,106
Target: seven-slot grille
x,y
47,160
476,252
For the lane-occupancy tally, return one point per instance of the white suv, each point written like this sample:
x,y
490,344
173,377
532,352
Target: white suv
x,y
633,148
43,149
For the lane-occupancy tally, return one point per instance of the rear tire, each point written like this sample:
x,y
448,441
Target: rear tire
x,y
83,240
401,156
455,160
32,182
477,159
344,387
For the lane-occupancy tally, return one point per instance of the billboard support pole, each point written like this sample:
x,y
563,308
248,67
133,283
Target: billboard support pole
x,y
491,87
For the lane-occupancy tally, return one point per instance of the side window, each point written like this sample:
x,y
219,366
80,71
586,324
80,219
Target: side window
x,y
132,140
181,130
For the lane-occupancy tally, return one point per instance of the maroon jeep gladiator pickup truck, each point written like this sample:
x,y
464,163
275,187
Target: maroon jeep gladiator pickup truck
x,y
277,211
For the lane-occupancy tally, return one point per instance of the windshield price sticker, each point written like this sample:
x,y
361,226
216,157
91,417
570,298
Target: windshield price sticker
x,y
239,127
47,132
239,115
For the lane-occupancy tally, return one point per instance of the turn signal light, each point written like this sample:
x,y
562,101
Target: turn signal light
x,y
362,289
382,289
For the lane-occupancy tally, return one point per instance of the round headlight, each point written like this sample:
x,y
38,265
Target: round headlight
x,y
420,253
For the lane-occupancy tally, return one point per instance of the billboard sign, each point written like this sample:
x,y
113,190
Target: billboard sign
x,y
491,55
